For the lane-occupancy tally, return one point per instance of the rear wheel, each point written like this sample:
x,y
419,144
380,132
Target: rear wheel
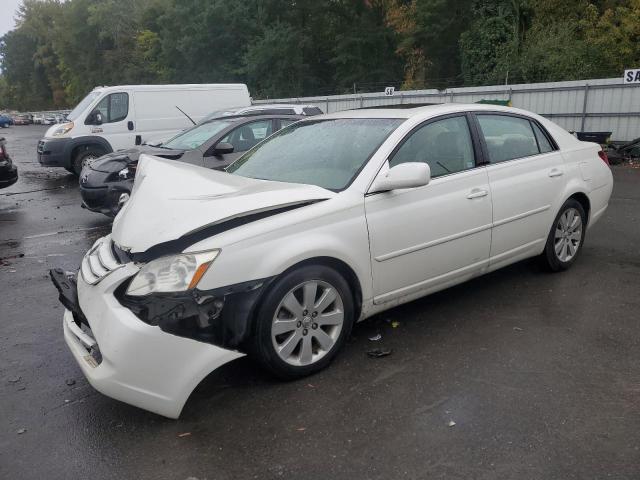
x,y
566,236
303,322
84,155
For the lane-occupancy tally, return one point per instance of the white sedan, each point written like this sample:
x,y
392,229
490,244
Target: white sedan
x,y
329,221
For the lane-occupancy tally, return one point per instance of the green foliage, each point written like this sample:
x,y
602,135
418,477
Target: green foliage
x,y
60,50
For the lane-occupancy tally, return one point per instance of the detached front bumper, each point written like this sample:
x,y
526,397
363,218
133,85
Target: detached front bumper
x,y
131,361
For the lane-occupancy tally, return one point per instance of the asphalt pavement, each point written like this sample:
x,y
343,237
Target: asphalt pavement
x,y
520,374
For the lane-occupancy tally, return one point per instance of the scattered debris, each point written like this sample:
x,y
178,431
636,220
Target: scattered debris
x,y
378,352
375,338
21,431
451,423
70,381
395,324
310,385
518,329
301,429
15,379
185,434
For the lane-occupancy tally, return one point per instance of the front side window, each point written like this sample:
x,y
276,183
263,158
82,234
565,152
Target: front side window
x,y
326,153
444,144
247,136
507,137
114,107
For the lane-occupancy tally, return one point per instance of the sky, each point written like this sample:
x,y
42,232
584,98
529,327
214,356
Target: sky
x,y
7,13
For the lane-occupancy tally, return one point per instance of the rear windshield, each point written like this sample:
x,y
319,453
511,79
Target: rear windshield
x,y
326,153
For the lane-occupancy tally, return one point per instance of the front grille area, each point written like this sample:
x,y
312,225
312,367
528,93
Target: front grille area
x,y
99,262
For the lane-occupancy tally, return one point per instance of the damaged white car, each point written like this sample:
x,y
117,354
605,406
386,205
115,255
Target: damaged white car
x,y
325,223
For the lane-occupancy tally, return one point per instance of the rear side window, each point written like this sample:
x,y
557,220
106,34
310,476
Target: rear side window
x,y
508,137
285,122
114,107
543,141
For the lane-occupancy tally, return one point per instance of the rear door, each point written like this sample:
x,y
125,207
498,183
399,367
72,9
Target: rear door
x,y
242,138
526,175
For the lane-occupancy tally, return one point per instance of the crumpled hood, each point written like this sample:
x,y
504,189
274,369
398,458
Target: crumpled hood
x,y
116,161
172,199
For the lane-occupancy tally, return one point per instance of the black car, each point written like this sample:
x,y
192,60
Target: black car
x,y
106,182
8,171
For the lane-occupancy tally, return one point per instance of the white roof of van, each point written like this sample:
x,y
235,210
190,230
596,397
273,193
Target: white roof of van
x,y
182,86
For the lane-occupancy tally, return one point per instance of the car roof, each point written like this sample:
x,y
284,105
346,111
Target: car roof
x,y
423,111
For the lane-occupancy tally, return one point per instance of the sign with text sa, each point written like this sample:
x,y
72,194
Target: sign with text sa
x,y
632,75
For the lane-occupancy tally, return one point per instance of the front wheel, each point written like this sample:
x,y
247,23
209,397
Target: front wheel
x,y
303,322
83,156
566,236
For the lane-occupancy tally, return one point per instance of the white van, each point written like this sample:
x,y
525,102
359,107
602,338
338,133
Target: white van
x,y
115,118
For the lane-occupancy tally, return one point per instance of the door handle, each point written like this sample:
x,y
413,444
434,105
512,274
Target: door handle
x,y
477,193
556,173
130,125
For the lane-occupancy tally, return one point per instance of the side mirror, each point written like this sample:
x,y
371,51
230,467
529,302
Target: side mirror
x,y
223,148
405,175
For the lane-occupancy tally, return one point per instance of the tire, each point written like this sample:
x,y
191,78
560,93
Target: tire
x,y
303,345
84,154
566,237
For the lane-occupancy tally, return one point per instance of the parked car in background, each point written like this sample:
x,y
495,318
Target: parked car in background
x,y
23,119
106,182
328,221
268,109
49,120
38,118
59,118
106,120
8,171
5,121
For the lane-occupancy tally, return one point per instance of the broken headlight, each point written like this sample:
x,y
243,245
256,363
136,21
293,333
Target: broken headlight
x,y
176,273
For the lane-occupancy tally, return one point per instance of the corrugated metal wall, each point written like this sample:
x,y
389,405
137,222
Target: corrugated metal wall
x,y
610,105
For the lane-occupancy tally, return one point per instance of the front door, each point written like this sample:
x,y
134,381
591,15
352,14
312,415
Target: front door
x,y
426,238
118,126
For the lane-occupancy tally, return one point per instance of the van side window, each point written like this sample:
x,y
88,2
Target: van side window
x,y
507,137
543,141
444,144
114,107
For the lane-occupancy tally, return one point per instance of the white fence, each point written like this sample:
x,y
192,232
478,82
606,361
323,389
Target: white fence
x,y
602,105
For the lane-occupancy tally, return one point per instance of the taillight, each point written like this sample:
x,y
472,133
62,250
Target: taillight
x,y
603,156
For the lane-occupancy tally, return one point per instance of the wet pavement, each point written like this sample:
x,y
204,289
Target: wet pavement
x,y
519,374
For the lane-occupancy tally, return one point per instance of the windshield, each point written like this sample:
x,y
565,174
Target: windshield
x,y
196,136
86,101
326,153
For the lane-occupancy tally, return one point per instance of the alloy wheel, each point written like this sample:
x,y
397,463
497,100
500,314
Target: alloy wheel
x,y
307,322
568,235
